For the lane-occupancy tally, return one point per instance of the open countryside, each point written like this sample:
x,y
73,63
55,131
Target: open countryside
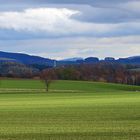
x,y
71,110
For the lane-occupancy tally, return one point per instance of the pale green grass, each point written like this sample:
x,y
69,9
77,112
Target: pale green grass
x,y
71,111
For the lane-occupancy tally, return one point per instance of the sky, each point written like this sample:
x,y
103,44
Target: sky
x,y
61,29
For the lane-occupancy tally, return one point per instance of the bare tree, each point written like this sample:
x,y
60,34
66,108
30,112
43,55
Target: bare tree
x,y
48,76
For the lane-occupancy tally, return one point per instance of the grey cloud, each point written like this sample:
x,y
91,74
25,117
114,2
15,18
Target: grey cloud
x,y
107,15
90,2
97,11
101,19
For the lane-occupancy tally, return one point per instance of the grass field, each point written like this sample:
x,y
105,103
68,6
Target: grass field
x,y
70,111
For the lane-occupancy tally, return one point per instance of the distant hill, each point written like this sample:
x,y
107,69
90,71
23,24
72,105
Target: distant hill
x,y
130,60
25,59
7,59
90,60
45,62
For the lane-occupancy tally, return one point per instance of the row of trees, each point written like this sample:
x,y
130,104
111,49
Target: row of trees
x,y
102,72
17,70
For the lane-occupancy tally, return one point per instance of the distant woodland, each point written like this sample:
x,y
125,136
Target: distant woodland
x,y
102,72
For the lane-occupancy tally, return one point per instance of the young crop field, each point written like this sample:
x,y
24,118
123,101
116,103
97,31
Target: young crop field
x,y
69,111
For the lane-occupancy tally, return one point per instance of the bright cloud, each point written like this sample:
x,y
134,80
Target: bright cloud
x,y
43,19
51,22
81,28
64,22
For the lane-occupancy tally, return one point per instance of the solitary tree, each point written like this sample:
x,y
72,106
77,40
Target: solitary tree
x,y
48,76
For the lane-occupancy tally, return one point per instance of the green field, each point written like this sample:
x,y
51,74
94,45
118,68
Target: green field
x,y
70,111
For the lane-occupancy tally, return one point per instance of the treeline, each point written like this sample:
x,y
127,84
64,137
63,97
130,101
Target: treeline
x,y
101,72
17,70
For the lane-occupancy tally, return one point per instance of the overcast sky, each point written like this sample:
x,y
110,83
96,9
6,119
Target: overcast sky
x,y
70,28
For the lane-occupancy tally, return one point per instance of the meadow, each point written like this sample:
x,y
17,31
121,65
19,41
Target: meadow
x,y
69,111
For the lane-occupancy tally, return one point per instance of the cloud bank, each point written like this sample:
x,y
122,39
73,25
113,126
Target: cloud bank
x,y
63,22
78,27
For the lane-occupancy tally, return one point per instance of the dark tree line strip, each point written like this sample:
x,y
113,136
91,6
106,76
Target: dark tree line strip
x,y
17,70
102,72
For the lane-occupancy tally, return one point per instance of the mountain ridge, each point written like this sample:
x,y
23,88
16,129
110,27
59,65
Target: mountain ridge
x,y
32,59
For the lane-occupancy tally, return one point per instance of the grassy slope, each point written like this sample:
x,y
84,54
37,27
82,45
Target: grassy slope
x,y
67,85
84,111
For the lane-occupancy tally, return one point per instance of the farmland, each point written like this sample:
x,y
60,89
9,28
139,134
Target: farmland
x,y
69,111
